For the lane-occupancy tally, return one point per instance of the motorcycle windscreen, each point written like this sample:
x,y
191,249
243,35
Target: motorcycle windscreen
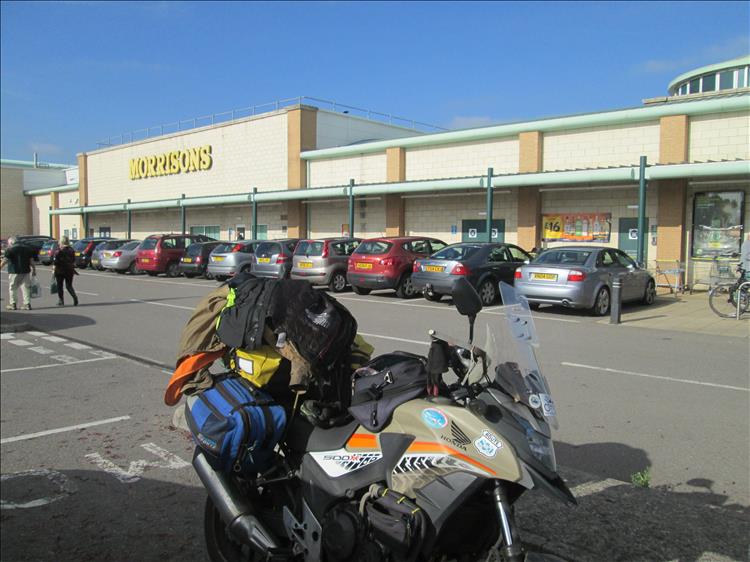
x,y
510,345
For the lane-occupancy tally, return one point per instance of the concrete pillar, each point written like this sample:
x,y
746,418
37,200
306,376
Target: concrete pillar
x,y
83,190
395,218
54,200
530,160
302,123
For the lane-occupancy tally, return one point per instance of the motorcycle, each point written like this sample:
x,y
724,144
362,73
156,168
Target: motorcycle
x,y
438,482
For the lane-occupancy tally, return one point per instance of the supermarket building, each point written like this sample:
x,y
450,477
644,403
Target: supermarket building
x,y
553,181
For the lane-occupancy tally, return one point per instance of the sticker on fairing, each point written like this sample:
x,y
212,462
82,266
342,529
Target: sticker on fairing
x,y
548,406
488,444
434,418
342,462
534,401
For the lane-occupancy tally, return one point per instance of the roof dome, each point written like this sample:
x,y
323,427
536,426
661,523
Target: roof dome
x,y
724,76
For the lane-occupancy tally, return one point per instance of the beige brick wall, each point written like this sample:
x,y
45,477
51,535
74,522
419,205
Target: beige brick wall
x,y
13,214
68,223
251,153
434,216
327,217
720,137
365,168
614,201
117,222
601,146
462,160
40,214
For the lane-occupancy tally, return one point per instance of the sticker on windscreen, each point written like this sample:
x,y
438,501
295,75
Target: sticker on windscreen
x,y
548,406
432,417
488,444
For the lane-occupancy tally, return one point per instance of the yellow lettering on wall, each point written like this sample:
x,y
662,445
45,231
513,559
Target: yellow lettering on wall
x,y
194,159
206,159
174,162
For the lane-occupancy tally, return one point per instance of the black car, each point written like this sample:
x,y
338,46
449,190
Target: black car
x,y
483,264
84,248
34,242
195,260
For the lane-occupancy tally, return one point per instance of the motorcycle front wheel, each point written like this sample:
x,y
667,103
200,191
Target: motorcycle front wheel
x,y
221,546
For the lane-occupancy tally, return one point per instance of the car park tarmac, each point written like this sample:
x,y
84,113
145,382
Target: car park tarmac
x,y
674,403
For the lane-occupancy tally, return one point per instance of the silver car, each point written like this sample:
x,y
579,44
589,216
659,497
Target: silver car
x,y
105,249
231,258
581,277
122,259
273,258
323,261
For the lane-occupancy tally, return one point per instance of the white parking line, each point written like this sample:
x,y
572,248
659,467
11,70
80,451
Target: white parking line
x,y
121,278
392,338
60,364
657,377
75,345
163,304
589,488
85,293
61,430
7,336
54,339
20,343
37,334
41,350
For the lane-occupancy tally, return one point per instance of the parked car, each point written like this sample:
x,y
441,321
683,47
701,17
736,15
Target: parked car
x,y
161,253
122,260
103,248
35,242
273,258
484,265
195,261
323,261
581,277
48,252
230,258
386,263
84,249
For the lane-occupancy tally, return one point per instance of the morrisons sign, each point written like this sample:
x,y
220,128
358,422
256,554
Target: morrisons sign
x,y
169,163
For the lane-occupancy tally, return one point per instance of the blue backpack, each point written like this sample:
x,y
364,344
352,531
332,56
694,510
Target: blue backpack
x,y
236,425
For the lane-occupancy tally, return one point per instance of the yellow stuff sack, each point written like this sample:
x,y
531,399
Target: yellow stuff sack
x,y
257,366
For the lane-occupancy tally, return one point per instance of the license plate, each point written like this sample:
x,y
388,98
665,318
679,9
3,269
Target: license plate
x,y
360,265
187,260
107,255
217,258
264,260
545,276
305,264
435,268
78,254
146,260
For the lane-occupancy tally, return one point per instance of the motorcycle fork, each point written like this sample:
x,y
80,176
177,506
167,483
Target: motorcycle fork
x,y
510,550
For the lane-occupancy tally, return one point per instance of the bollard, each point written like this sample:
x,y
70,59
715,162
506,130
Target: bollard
x,y
616,301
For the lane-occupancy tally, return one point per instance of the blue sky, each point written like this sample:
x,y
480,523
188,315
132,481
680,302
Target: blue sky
x,y
75,72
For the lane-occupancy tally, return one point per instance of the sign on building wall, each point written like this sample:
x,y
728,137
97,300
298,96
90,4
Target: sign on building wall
x,y
577,227
170,163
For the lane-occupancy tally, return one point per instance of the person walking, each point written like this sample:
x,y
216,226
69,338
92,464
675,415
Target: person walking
x,y
21,269
65,269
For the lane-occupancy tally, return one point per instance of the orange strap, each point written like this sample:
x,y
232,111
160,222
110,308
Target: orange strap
x,y
185,370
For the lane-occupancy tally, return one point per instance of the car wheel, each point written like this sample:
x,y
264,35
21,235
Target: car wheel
x,y
133,269
173,269
121,271
534,305
650,295
430,296
487,292
601,304
361,290
152,273
246,269
207,275
405,288
189,275
220,278
338,282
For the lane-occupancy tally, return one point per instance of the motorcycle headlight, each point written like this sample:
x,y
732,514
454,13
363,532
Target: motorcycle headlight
x,y
540,445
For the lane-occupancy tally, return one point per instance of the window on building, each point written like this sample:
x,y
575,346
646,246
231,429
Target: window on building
x,y
212,231
74,234
709,83
717,223
262,232
726,80
683,89
695,85
105,232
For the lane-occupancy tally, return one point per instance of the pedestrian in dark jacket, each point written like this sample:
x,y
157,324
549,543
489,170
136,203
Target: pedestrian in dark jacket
x,y
20,271
65,269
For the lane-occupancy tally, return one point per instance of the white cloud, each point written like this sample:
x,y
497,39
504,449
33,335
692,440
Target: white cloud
x,y
729,49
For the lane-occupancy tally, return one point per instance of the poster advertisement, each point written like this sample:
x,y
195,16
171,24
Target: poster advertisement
x,y
577,227
717,223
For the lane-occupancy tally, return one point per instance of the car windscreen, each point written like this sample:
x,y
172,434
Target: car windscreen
x,y
456,253
49,245
130,245
80,245
194,250
222,249
561,256
113,245
309,248
268,248
149,243
373,247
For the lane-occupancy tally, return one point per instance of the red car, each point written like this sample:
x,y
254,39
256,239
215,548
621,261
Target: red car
x,y
386,263
161,253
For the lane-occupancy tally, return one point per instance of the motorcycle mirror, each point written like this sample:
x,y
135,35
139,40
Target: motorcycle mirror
x,y
467,302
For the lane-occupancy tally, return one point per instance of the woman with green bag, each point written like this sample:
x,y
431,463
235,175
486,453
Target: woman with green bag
x,y
65,269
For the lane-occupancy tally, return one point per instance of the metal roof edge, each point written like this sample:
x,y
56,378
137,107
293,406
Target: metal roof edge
x,y
55,189
615,117
39,166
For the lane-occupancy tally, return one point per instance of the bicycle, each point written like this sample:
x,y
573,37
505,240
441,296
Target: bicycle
x,y
731,300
